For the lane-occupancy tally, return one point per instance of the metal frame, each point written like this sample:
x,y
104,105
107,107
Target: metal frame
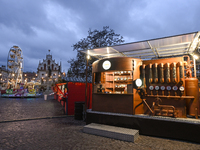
x,y
162,47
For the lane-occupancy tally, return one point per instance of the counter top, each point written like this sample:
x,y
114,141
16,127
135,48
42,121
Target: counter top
x,y
112,94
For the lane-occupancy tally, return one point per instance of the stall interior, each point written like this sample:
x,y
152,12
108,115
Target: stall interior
x,y
116,82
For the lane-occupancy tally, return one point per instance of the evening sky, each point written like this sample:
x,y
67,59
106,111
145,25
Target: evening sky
x,y
39,25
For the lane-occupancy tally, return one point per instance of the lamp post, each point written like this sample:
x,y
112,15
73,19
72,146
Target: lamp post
x,y
0,79
88,57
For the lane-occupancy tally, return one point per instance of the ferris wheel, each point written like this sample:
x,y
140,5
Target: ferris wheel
x,y
15,66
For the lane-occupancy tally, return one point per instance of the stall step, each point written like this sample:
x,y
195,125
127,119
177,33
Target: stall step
x,y
119,133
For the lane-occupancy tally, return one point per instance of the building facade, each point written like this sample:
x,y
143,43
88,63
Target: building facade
x,y
3,77
29,76
48,68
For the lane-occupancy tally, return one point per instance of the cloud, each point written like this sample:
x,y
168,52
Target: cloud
x,y
37,26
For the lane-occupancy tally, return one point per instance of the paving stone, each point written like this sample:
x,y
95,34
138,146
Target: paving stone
x,y
64,133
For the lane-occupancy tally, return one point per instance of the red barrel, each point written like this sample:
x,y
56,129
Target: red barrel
x,y
192,89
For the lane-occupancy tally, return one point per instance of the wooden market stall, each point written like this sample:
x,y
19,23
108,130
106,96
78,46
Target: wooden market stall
x,y
167,68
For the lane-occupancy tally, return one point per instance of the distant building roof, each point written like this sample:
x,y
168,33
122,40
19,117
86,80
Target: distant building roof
x,y
79,79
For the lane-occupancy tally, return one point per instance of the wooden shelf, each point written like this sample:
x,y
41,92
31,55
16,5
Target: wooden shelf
x,y
119,89
171,97
110,79
125,81
123,74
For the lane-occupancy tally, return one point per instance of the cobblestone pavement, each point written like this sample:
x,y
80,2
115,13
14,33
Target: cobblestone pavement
x,y
21,108
65,133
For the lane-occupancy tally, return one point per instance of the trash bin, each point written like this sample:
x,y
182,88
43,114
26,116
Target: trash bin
x,y
78,112
45,97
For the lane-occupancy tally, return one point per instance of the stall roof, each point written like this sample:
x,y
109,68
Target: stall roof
x,y
149,49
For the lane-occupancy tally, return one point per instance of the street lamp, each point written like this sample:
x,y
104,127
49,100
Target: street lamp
x,y
87,58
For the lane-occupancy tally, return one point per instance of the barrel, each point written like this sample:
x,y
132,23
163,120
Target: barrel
x,y
192,89
78,112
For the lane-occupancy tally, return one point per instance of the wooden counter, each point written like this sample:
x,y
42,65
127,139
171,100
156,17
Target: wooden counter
x,y
116,103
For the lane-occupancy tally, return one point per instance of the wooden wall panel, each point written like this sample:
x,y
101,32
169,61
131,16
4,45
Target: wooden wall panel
x,y
116,103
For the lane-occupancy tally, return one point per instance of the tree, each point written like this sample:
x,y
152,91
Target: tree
x,y
95,38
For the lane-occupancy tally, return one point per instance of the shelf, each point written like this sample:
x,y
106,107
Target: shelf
x,y
113,94
111,81
119,89
171,97
122,82
123,74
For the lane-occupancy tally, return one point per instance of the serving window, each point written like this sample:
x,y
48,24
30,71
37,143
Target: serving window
x,y
116,82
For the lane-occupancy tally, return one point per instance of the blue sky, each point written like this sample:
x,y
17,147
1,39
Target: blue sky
x,y
39,25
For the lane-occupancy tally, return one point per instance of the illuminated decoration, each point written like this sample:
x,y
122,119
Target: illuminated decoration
x,y
106,65
15,66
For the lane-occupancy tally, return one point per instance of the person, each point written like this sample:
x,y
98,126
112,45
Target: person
x,y
65,93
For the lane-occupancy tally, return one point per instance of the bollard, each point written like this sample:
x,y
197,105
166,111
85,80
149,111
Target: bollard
x,y
45,97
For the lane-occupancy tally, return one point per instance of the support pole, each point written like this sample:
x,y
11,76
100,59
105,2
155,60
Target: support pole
x,y
194,61
86,85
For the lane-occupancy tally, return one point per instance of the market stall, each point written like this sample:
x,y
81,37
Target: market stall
x,y
169,87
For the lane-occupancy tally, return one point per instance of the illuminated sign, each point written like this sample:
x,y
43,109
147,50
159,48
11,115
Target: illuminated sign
x,y
106,65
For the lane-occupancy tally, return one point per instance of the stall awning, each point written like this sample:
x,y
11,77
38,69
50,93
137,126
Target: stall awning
x,y
149,49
